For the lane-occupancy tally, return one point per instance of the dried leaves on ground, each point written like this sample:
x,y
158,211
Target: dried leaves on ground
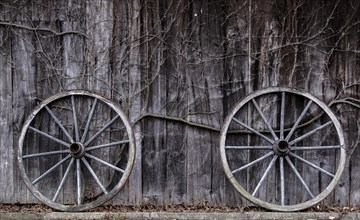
x,y
203,207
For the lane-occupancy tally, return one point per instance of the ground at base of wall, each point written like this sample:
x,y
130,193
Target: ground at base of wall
x,y
202,207
175,215
201,211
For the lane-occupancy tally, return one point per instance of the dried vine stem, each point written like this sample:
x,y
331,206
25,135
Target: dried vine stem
x,y
36,29
194,124
349,101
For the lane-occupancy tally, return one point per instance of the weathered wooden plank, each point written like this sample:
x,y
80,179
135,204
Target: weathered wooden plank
x,y
176,175
135,107
7,164
74,55
154,149
198,153
23,100
175,103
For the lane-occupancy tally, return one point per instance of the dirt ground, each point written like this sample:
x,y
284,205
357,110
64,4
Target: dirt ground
x,y
39,208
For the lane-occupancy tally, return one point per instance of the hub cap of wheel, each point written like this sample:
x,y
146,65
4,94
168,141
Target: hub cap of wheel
x,y
281,148
77,150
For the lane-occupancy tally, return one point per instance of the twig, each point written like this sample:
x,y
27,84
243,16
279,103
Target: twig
x,y
42,29
177,120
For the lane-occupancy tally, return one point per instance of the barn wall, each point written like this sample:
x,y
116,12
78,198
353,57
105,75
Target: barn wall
x,y
173,64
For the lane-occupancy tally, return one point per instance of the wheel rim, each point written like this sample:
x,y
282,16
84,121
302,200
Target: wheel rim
x,y
76,151
271,153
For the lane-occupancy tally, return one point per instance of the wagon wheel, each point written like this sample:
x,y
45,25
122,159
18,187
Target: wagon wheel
x,y
76,151
282,149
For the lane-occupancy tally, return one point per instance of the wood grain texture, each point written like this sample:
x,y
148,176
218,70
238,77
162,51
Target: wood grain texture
x,y
177,59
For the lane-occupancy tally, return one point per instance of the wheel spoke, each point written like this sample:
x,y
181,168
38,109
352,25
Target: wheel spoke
x,y
253,162
309,133
254,131
89,121
63,179
264,119
59,124
265,174
107,145
50,170
46,154
298,120
78,181
282,115
282,181
315,147
102,130
248,147
312,165
104,162
75,119
49,136
94,175
299,176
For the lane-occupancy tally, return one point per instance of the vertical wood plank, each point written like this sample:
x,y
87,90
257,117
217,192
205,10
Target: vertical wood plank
x,y
119,64
23,98
6,119
135,107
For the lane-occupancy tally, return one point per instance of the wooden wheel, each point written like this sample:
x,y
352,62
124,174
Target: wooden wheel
x,y
76,150
282,149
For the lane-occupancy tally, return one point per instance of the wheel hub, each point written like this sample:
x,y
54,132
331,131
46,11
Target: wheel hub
x,y
281,147
77,149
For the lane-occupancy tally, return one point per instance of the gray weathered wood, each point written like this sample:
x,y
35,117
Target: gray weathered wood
x,y
185,62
